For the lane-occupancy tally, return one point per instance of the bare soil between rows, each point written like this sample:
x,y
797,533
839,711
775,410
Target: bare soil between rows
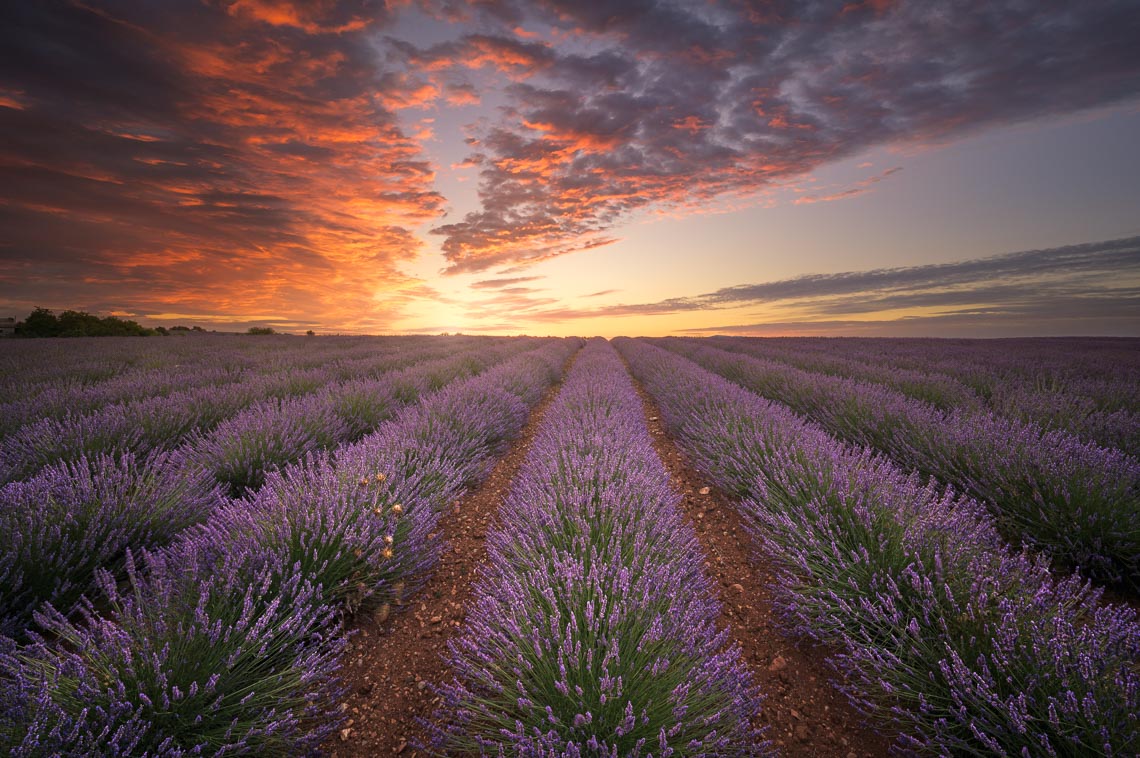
x,y
394,660
805,715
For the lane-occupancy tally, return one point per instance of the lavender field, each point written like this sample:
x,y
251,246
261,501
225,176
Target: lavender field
x,y
197,533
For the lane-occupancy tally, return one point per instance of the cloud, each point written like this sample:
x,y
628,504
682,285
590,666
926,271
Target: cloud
x,y
497,283
860,188
212,158
311,16
1066,288
1078,317
1073,263
661,105
223,157
474,51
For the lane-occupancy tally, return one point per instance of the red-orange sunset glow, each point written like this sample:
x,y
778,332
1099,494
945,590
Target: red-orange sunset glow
x,y
359,166
262,173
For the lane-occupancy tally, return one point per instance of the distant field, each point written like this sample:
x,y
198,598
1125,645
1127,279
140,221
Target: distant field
x,y
197,534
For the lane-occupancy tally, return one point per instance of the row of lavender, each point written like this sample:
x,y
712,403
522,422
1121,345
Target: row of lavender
x,y
1074,500
27,366
228,641
54,378
161,421
76,516
985,364
593,629
1090,388
963,645
940,390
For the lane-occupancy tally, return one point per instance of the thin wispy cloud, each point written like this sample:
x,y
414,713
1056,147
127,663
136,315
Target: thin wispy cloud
x,y
1078,317
859,188
1074,263
505,282
1092,283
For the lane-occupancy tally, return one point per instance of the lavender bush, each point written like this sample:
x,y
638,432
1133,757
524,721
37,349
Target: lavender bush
x,y
938,389
594,629
162,422
243,448
1096,400
227,642
1104,370
57,528
357,521
49,440
198,660
1071,408
67,396
1078,502
137,426
363,404
268,435
964,646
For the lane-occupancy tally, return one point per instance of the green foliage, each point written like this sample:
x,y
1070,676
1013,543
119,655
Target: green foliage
x,y
42,322
261,330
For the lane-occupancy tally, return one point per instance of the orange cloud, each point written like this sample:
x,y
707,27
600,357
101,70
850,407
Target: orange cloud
x,y
12,99
311,16
247,169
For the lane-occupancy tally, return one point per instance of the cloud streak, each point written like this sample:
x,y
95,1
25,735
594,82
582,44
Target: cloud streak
x,y
1093,286
860,188
1074,263
500,283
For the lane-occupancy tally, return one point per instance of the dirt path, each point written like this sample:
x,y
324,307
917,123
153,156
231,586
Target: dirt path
x,y
391,660
805,715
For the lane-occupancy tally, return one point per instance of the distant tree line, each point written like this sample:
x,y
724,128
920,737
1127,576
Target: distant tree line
x,y
42,322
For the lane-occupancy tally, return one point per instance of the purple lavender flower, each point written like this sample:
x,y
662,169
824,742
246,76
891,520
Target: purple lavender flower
x,y
243,448
1071,499
195,660
962,644
226,641
594,628
57,528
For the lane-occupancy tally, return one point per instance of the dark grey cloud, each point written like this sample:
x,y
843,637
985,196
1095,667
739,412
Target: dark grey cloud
x,y
676,103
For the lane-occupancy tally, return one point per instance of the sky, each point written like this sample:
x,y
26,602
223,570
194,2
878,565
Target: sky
x,y
640,167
